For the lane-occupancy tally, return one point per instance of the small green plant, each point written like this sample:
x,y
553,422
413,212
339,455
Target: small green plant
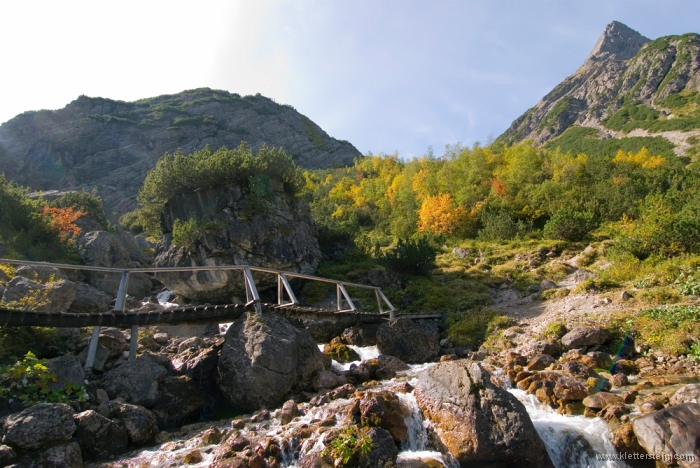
x,y
688,282
187,233
553,331
346,448
29,379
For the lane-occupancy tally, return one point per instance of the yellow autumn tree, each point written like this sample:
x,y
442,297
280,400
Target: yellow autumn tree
x,y
438,214
643,159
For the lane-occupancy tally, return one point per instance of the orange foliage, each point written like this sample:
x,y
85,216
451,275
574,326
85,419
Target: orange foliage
x,y
498,187
63,219
438,214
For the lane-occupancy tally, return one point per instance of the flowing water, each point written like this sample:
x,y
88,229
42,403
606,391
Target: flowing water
x,y
571,441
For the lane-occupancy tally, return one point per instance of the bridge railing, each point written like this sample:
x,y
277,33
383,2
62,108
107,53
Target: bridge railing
x,y
344,303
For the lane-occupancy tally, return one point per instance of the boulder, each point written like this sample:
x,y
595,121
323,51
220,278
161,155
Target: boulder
x,y
89,300
141,424
670,432
50,297
289,411
340,352
179,402
98,436
281,236
600,400
61,456
102,248
578,369
384,409
412,341
476,421
383,452
327,380
41,274
540,362
135,381
585,336
686,394
361,335
263,358
7,455
67,369
569,389
391,362
546,347
39,426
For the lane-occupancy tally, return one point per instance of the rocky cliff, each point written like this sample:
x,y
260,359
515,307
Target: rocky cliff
x,y
628,86
111,145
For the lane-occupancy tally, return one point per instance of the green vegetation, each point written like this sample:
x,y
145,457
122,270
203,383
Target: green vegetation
x,y
412,256
28,380
312,133
87,202
578,140
473,327
205,169
345,449
186,234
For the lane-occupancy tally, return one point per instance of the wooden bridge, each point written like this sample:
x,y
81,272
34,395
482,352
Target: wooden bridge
x,y
287,303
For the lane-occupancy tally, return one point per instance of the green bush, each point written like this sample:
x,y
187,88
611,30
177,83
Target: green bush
x,y
411,256
206,169
497,225
186,234
471,328
570,224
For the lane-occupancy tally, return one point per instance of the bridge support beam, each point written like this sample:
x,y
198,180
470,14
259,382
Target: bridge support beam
x,y
120,305
251,292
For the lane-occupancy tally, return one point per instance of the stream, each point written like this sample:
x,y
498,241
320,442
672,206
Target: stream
x,y
571,441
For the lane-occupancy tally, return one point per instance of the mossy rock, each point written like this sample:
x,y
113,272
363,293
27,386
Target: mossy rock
x,y
341,352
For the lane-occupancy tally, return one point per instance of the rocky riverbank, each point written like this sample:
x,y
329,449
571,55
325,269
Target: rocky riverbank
x,y
300,407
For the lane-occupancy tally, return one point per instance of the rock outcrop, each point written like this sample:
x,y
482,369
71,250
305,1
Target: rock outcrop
x,y
672,434
624,68
476,421
414,342
111,145
283,236
263,358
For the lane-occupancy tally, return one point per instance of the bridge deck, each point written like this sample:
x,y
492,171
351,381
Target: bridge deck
x,y
206,314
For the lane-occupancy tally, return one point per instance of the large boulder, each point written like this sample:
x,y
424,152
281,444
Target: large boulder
x,y
476,421
22,292
39,426
67,369
135,381
42,274
179,402
670,433
585,336
102,248
89,300
282,235
686,394
98,436
140,423
411,341
60,456
263,358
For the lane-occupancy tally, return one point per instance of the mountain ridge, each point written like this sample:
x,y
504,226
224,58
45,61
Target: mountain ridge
x,y
628,86
111,145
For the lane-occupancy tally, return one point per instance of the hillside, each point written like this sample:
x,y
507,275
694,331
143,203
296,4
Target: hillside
x,y
629,87
111,145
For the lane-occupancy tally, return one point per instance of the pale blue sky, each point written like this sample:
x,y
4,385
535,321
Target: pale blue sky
x,y
385,75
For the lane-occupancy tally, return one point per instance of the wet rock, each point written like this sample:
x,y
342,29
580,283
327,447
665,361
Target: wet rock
x,y
476,421
597,360
67,369
384,409
578,370
135,381
686,394
141,424
193,457
342,392
624,440
89,300
98,436
391,362
650,405
263,358
61,456
619,380
358,374
671,431
211,436
413,342
384,373
571,408
365,335
570,389
540,362
327,380
340,352
50,297
585,336
179,402
39,426
611,412
383,452
289,411
600,400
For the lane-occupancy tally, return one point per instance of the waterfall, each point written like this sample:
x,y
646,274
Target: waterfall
x,y
571,441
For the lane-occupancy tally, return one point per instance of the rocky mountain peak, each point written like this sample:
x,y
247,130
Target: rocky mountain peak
x,y
618,42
